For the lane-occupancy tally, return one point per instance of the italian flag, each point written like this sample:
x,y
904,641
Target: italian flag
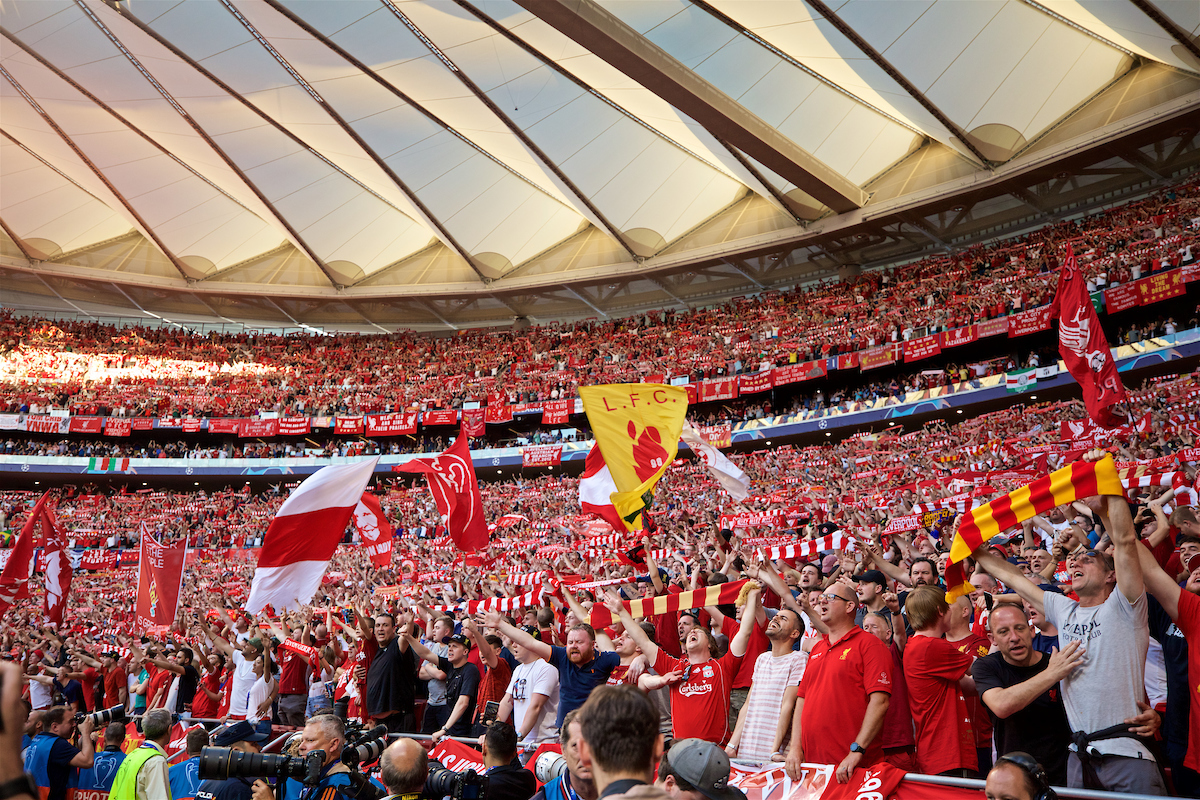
x,y
108,464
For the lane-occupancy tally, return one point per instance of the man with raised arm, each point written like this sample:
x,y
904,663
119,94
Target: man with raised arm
x,y
700,682
1110,620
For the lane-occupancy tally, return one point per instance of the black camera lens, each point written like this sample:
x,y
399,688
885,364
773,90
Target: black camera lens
x,y
102,717
222,763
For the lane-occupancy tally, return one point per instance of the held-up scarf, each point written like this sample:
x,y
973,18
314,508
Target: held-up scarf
x,y
664,603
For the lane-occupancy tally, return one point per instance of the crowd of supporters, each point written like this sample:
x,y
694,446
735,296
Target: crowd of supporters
x,y
837,657
98,369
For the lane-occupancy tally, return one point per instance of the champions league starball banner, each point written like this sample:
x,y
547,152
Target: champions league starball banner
x,y
160,576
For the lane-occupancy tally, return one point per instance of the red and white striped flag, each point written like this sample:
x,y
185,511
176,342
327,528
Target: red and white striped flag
x,y
596,488
304,534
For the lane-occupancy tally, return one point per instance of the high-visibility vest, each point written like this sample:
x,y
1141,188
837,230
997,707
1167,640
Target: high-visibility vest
x,y
125,785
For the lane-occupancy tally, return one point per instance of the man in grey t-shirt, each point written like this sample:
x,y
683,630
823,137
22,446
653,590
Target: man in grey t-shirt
x,y
436,712
1109,619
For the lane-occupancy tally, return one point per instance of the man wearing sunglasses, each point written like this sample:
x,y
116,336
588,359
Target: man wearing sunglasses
x,y
844,694
1110,621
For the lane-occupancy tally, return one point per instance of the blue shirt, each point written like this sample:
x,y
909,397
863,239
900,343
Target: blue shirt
x,y
185,779
102,772
576,683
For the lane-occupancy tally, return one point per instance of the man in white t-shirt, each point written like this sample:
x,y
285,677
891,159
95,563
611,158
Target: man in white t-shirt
x,y
532,695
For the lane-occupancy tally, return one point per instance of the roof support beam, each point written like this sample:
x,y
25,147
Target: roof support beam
x,y
896,75
1167,24
662,284
736,267
586,302
440,318
21,244
591,26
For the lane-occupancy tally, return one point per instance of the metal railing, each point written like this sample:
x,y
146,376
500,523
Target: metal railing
x,y
1061,791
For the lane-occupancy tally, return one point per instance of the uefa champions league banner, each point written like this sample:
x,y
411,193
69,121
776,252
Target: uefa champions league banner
x,y
160,577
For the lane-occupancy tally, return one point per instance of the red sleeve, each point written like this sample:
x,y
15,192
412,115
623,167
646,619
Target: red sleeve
x,y
729,628
877,666
1165,550
663,663
940,659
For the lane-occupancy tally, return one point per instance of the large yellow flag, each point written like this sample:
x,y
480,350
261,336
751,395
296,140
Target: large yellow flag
x,y
637,427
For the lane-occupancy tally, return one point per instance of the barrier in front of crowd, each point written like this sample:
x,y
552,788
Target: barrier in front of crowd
x,y
1061,791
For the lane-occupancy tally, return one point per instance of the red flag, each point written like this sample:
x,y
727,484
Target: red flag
x,y
376,532
595,489
1083,347
14,580
451,477
57,571
160,576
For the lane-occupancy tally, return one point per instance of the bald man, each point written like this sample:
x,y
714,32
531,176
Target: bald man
x,y
403,768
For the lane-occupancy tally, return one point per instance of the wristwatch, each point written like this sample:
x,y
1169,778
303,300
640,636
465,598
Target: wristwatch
x,y
855,747
22,784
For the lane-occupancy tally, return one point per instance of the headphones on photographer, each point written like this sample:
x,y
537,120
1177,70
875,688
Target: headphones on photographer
x,y
1029,765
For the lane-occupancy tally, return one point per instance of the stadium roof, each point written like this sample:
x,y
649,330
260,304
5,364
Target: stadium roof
x,y
391,163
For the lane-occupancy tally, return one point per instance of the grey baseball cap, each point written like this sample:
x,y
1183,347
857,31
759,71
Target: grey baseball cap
x,y
705,766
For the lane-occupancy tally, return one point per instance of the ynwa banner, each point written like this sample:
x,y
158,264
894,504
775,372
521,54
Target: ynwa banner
x,y
758,382
376,532
258,428
556,412
925,347
440,416
399,424
959,336
118,426
160,577
541,455
48,424
349,425
1028,322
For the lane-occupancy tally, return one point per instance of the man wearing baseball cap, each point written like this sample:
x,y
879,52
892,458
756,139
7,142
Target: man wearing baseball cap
x,y
462,682
693,769
240,735
872,584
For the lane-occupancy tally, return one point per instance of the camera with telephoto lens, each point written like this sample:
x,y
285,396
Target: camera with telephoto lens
x,y
548,766
221,763
102,717
363,747
442,782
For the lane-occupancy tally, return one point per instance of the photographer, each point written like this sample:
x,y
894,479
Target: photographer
x,y
241,736
143,773
507,779
102,773
52,760
323,732
403,768
575,783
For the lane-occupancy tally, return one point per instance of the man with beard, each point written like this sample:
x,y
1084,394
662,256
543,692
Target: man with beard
x,y
580,667
763,723
700,683
1110,619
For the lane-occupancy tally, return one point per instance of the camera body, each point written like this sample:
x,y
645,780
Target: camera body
x,y
222,763
363,746
442,782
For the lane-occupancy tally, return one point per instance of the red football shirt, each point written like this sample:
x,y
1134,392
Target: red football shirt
x,y
89,687
159,679
977,647
700,702
838,683
1189,623
945,740
293,673
203,706
755,647
114,681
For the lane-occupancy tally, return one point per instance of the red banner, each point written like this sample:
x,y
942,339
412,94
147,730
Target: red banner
x,y
901,524
991,327
541,455
1191,272
879,357
556,412
847,361
1028,322
795,373
192,425
100,559
959,336
440,416
143,423
472,422
720,389
374,529
85,424
258,428
403,423
717,435
349,425
1162,286
118,426
758,382
1121,298
159,577
224,425
496,415
925,347
295,426
457,757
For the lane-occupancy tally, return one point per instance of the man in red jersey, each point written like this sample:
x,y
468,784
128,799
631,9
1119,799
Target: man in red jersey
x,y
844,694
